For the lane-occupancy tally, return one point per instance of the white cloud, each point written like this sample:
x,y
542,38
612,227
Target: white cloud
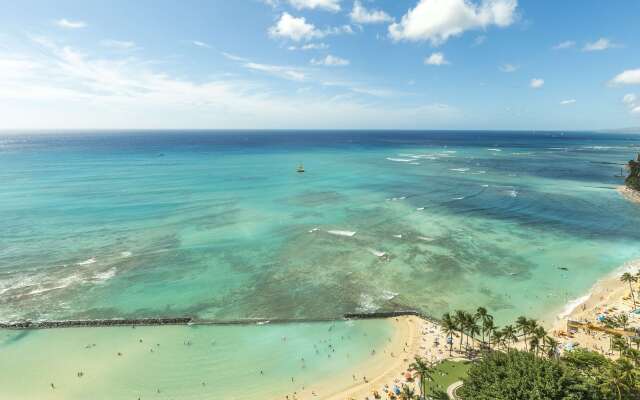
x,y
436,59
118,44
632,102
630,98
628,77
360,15
567,102
599,45
297,29
536,83
438,20
331,61
293,28
567,44
68,24
200,44
330,5
508,68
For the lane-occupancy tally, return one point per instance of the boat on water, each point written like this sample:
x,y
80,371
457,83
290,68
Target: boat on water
x,y
300,168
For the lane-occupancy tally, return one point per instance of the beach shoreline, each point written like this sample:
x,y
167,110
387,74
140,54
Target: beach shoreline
x,y
629,194
607,296
414,336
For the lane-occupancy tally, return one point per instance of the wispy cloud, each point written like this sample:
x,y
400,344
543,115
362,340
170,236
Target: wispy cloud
x,y
536,83
118,44
68,24
567,102
599,45
200,44
331,61
508,68
310,46
567,44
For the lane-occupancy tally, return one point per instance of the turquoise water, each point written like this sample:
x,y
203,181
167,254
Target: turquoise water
x,y
220,225
199,362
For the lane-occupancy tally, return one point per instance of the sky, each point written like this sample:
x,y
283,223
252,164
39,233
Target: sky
x,y
320,64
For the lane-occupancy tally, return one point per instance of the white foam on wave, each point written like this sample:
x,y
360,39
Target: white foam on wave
x,y
342,233
367,304
377,253
61,284
572,305
314,230
513,193
397,236
420,209
414,163
388,294
90,261
126,254
459,169
426,239
458,198
105,276
399,159
485,186
494,150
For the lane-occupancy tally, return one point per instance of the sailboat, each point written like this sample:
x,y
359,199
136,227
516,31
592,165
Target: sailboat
x,y
300,168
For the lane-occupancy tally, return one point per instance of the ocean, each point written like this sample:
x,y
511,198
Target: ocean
x,y
220,225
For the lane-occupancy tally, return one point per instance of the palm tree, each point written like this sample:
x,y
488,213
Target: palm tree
x,y
539,333
627,277
423,371
509,334
407,393
522,324
449,327
484,317
534,344
551,347
489,328
459,317
623,320
498,338
471,326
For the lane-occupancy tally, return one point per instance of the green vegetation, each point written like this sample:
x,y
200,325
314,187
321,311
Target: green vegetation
x,y
443,375
502,371
633,180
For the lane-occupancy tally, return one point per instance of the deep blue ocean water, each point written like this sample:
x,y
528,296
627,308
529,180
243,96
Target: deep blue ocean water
x,y
219,224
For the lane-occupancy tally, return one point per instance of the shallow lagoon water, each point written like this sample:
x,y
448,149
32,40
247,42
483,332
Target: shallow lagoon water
x,y
219,224
185,362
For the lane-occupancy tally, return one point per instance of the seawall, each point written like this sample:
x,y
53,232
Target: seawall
x,y
185,320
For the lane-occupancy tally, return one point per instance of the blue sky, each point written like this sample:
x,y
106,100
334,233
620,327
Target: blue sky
x,y
404,64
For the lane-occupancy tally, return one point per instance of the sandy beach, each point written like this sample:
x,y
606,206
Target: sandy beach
x,y
609,296
413,337
629,194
